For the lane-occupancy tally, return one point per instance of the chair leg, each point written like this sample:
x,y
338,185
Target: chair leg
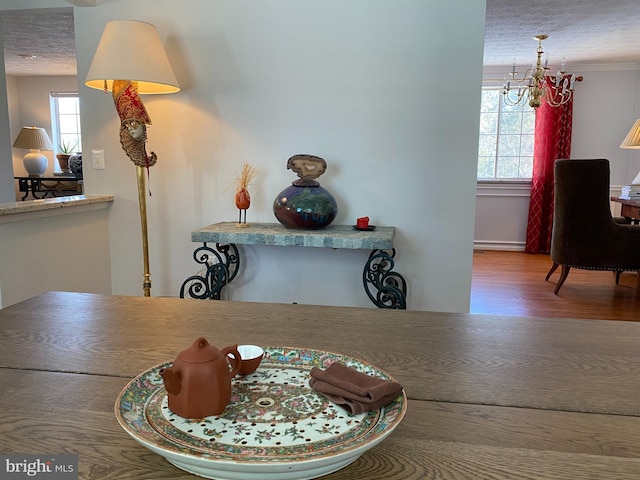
x,y
563,277
638,286
618,272
551,270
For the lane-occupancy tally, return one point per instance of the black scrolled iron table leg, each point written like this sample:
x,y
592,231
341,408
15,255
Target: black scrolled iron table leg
x,y
220,267
384,287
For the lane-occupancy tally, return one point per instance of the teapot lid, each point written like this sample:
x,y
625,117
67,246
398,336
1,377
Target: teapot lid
x,y
200,351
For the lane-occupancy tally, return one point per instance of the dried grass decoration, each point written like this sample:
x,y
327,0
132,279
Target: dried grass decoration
x,y
243,198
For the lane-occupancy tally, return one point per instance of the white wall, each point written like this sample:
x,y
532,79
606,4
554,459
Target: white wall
x,y
501,216
605,108
359,83
68,252
606,104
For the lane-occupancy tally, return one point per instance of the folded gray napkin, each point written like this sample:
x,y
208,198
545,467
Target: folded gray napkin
x,y
353,390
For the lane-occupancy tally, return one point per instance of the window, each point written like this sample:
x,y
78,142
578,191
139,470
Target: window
x,y
65,122
505,150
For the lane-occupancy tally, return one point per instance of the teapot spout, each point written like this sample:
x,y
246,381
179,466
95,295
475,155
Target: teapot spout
x,y
172,382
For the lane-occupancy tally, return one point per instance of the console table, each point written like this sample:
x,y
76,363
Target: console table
x,y
64,184
384,287
630,208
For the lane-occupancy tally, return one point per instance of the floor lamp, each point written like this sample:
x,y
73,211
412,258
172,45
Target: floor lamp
x,y
130,60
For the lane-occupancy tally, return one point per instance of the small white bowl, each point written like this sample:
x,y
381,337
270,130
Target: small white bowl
x,y
251,356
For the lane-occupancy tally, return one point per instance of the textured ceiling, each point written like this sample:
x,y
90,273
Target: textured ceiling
x,y
590,32
49,35
584,31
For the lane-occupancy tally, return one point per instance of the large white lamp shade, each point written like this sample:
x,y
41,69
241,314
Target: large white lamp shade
x,y
34,139
131,50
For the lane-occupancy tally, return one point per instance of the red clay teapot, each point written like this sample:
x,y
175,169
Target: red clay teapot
x,y
198,383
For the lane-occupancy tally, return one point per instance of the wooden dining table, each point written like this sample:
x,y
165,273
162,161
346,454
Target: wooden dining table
x,y
489,396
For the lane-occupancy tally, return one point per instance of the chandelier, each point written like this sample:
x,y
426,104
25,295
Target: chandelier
x,y
537,82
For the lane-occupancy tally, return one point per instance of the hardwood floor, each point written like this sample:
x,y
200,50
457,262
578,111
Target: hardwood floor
x,y
513,283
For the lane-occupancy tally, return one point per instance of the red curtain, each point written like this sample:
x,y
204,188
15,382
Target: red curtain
x,y
552,141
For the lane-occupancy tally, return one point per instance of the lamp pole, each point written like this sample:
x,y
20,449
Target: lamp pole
x,y
142,203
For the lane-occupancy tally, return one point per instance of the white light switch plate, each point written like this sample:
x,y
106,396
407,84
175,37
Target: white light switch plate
x,y
97,159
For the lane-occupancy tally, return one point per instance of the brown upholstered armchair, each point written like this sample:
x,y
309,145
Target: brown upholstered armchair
x,y
585,235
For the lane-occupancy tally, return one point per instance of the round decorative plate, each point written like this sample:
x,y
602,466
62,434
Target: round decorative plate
x,y
275,427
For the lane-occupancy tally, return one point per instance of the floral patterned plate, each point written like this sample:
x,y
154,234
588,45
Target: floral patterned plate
x,y
275,427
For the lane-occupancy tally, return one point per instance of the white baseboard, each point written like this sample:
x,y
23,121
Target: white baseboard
x,y
496,245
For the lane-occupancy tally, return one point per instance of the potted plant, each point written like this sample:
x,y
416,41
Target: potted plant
x,y
66,149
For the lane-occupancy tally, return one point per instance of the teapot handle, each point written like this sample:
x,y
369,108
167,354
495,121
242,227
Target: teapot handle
x,y
235,361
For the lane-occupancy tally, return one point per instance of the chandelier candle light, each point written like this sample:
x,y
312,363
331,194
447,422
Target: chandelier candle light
x,y
556,90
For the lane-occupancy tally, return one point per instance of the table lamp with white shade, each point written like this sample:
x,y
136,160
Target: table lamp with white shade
x,y
632,140
34,139
130,60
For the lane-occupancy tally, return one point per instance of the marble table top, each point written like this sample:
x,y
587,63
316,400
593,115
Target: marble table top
x,y
332,236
